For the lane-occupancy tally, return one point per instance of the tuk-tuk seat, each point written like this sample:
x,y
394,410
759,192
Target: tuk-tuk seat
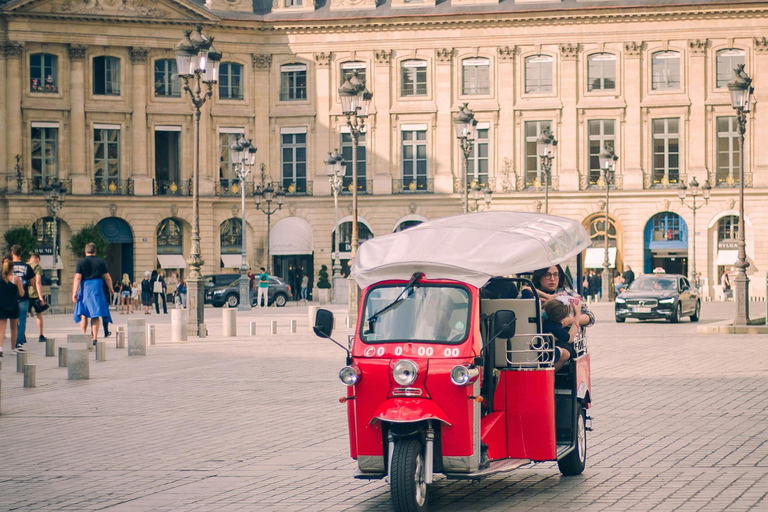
x,y
526,330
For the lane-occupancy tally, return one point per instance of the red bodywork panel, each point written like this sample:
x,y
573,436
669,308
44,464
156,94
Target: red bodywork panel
x,y
584,376
408,410
494,434
530,414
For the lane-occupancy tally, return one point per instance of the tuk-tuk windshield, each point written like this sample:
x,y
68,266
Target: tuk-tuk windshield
x,y
427,313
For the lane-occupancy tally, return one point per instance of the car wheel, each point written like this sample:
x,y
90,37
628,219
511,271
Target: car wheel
x,y
620,320
676,317
696,312
232,300
280,300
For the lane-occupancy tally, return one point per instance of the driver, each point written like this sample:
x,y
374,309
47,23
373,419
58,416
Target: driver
x,y
549,283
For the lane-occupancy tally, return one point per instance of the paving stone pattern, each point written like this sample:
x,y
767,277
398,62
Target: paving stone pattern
x,y
253,423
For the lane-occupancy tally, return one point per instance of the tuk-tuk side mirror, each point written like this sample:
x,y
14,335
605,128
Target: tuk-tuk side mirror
x,y
323,323
504,321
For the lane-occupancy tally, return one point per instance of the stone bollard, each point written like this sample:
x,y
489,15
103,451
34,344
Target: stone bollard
x,y
202,331
292,327
137,337
312,312
120,339
101,351
252,328
50,347
350,323
62,357
29,375
179,324
273,327
78,366
229,322
151,334
21,360
121,328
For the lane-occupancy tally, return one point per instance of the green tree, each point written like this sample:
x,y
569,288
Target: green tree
x,y
568,273
322,279
22,236
89,234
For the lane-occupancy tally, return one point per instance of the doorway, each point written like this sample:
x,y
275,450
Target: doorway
x,y
291,268
119,257
167,162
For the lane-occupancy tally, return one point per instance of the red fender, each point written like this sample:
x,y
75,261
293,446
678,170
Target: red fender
x,y
409,410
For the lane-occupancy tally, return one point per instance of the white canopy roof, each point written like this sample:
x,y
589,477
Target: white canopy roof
x,y
171,261
231,260
471,248
291,235
595,257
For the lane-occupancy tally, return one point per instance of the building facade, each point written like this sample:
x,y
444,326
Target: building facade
x,y
91,97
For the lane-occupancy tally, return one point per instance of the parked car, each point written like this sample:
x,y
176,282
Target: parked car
x,y
279,293
217,280
668,296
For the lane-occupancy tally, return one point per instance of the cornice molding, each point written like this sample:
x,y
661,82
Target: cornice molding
x,y
76,51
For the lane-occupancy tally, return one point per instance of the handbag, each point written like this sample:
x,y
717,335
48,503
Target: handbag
x,y
157,287
38,306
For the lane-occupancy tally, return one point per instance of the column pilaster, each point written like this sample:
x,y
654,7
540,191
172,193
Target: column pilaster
x,y
447,166
567,177
81,184
632,134
382,135
12,51
759,122
506,156
142,181
697,120
324,98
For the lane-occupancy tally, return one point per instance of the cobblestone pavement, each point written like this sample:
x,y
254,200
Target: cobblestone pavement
x,y
253,423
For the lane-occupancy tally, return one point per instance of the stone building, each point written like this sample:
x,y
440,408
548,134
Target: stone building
x,y
90,95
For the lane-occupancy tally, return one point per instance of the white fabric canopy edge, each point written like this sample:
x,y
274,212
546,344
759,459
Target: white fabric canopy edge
x,y
171,261
231,260
595,256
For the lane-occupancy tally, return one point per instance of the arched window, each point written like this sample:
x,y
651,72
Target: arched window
x,y
728,228
348,67
596,230
669,227
538,74
167,81
601,72
293,82
169,237
345,236
476,76
231,236
407,224
106,76
43,72
43,233
413,78
727,60
665,70
230,81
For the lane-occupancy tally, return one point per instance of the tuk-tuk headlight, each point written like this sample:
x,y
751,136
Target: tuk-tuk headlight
x,y
349,375
405,372
464,375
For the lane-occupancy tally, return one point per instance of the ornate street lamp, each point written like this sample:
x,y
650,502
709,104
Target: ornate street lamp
x,y
242,154
197,62
268,194
693,190
608,160
355,103
741,99
545,145
335,166
480,191
464,122
54,200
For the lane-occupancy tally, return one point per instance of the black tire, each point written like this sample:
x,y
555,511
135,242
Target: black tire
x,y
575,462
676,317
232,300
620,320
280,300
407,487
696,312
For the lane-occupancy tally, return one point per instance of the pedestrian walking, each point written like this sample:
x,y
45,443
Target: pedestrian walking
x,y
125,295
91,275
146,292
135,291
10,291
592,285
263,288
28,278
159,291
304,287
725,282
182,289
115,297
37,301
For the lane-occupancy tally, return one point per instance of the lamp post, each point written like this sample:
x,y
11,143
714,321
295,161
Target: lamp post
x,y
608,160
269,194
693,189
741,99
355,102
54,200
334,168
479,191
242,154
545,144
463,122
197,61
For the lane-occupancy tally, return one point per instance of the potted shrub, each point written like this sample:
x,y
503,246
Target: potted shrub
x,y
323,285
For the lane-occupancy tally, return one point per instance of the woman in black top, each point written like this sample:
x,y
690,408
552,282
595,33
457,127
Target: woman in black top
x,y
146,292
157,278
10,291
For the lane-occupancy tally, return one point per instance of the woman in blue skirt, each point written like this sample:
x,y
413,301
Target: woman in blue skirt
x,y
88,294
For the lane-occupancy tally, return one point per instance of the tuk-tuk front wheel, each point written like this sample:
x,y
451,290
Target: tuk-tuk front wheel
x,y
408,486
575,462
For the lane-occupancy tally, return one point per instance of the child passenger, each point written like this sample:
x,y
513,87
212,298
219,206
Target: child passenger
x,y
555,311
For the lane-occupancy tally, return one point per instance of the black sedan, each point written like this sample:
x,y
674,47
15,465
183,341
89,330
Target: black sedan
x,y
279,293
668,296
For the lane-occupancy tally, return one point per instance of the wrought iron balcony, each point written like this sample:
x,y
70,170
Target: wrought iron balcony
x,y
33,186
228,188
297,188
172,187
111,187
413,186
363,187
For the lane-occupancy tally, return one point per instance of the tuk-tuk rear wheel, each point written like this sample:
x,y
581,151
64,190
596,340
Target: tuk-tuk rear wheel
x,y
408,486
575,462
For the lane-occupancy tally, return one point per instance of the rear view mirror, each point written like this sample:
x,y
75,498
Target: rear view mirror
x,y
504,322
323,323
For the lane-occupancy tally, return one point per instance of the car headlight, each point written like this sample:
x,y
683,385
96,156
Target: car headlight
x,y
349,375
464,375
218,292
667,301
405,372
619,300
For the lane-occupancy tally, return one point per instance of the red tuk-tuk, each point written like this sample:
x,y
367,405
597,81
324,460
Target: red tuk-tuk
x,y
448,370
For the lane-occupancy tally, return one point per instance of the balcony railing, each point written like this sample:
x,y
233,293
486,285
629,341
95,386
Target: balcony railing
x,y
413,186
363,187
22,185
172,187
297,188
111,187
491,182
227,188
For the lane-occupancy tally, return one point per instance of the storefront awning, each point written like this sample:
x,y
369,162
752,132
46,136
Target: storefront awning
x,y
291,235
595,256
231,260
171,261
727,257
46,262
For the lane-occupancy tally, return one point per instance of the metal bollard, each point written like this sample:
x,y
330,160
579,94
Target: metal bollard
x,y
273,327
50,347
151,334
101,351
29,375
120,339
62,357
252,328
21,360
292,327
